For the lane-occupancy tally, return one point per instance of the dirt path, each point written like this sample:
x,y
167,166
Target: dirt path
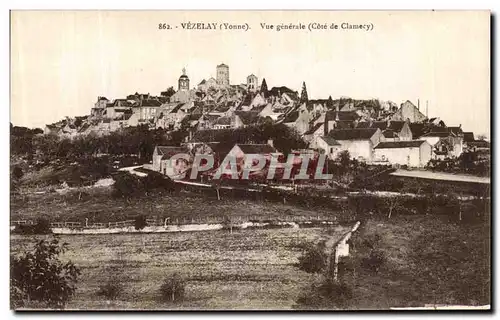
x,y
441,176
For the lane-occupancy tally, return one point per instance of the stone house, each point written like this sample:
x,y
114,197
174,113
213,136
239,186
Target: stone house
x,y
415,153
408,111
358,142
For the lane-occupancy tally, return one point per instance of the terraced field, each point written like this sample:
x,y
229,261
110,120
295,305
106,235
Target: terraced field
x,y
245,269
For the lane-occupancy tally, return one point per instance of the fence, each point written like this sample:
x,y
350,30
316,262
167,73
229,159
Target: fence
x,y
160,221
21,223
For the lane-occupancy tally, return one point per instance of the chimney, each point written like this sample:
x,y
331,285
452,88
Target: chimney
x,y
418,104
270,142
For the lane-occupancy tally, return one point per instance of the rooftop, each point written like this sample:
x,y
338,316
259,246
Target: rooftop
x,y
352,134
399,144
257,148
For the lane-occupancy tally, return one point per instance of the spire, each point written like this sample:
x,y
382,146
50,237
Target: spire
x,y
184,71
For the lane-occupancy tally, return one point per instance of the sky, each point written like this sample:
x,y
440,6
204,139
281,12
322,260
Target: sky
x,y
61,61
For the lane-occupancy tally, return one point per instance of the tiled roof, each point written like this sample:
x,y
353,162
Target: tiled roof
x,y
342,115
455,130
192,117
257,148
223,121
399,144
176,108
418,129
438,134
352,134
330,141
479,144
468,136
314,128
150,103
345,124
247,117
167,152
291,117
396,125
389,133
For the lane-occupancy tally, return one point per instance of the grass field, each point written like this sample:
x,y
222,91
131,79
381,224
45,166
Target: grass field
x,y
99,206
248,269
428,260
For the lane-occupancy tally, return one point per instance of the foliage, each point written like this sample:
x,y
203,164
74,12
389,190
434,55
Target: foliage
x,y
41,276
263,87
325,294
42,226
169,92
140,222
374,261
17,172
111,290
284,138
313,259
303,94
173,288
470,162
128,185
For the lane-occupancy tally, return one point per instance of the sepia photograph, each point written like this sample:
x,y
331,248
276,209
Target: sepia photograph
x,y
278,160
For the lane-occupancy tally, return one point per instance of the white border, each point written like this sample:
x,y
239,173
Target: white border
x,y
189,4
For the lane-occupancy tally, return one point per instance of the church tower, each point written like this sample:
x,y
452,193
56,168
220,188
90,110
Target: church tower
x,y
222,74
183,81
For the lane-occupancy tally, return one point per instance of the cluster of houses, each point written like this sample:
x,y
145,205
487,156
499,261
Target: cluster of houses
x,y
373,131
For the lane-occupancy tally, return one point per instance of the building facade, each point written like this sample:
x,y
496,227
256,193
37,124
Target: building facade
x,y
222,72
252,83
183,81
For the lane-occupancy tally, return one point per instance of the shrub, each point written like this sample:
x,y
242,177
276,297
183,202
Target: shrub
x,y
327,294
111,290
42,226
313,259
173,288
17,172
140,222
127,185
157,181
41,277
374,261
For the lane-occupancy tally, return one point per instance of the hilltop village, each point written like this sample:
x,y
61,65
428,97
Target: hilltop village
x,y
372,131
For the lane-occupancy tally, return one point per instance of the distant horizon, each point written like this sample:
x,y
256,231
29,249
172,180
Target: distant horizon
x,y
85,54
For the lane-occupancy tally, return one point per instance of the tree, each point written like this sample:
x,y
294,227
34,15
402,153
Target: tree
x,y
313,260
169,92
329,103
263,87
17,172
140,222
40,276
344,158
481,137
173,288
303,94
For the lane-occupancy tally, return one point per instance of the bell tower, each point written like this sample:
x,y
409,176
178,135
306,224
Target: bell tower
x,y
183,81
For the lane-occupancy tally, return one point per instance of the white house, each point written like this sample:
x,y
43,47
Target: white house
x,y
162,163
415,153
358,142
329,146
